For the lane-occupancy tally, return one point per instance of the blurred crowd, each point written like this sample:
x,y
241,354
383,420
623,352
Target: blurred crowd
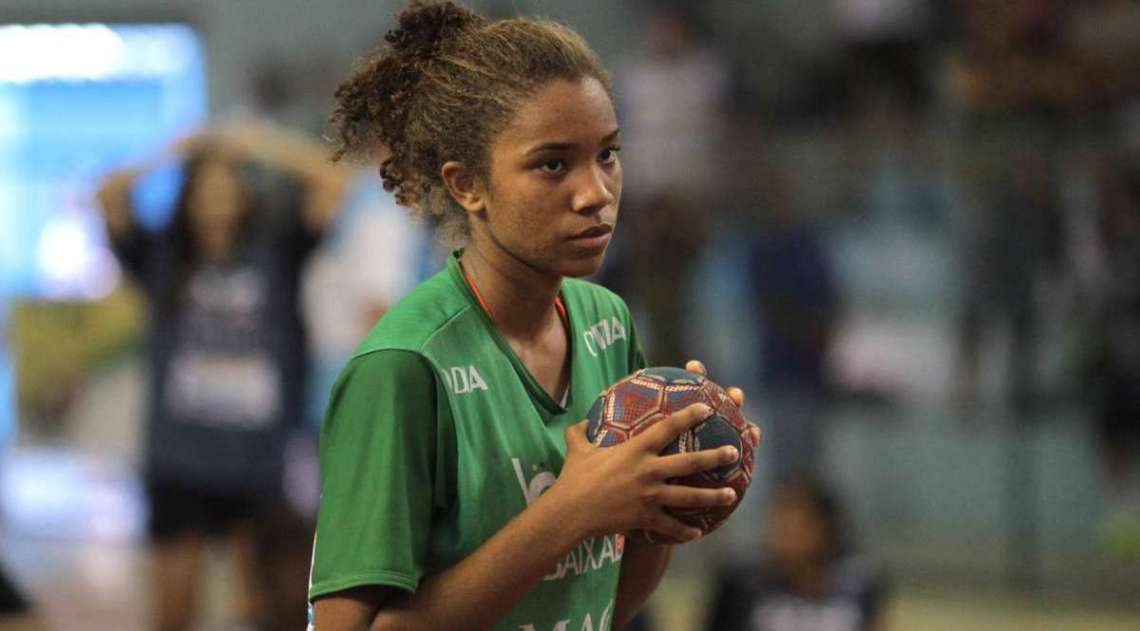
x,y
759,163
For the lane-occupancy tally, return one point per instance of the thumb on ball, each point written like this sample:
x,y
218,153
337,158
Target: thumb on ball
x,y
576,436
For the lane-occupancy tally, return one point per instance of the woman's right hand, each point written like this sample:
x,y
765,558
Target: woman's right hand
x,y
114,192
623,488
114,197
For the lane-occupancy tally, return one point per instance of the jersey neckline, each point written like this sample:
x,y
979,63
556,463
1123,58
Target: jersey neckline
x,y
535,389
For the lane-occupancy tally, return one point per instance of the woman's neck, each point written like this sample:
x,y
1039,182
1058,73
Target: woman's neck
x,y
520,298
809,578
216,246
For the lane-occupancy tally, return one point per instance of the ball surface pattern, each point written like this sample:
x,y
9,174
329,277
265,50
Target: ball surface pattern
x,y
636,403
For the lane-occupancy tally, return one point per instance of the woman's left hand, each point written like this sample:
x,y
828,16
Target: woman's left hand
x,y
734,393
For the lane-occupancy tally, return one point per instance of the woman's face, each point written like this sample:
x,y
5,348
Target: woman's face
x,y
555,181
797,534
217,201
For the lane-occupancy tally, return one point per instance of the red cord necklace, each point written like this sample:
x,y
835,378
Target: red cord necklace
x,y
558,304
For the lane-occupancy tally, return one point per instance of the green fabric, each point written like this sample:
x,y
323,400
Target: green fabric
x,y
436,435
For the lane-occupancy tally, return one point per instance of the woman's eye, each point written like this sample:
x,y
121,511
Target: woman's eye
x,y
609,155
552,166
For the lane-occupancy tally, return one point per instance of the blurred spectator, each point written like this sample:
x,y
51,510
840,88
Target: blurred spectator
x,y
882,42
227,354
1116,349
374,254
812,580
1107,32
894,180
794,285
1017,82
672,100
673,97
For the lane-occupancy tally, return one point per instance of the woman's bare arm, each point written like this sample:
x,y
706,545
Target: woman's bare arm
x,y
299,155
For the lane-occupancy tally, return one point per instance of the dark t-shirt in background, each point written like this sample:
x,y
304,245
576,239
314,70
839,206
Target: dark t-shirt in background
x,y
754,598
226,350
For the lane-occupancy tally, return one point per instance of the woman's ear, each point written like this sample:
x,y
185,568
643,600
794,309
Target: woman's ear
x,y
464,186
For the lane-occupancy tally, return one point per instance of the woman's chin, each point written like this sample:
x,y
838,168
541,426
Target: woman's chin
x,y
580,267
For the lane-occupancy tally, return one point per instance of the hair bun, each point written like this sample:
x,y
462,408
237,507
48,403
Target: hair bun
x,y
423,25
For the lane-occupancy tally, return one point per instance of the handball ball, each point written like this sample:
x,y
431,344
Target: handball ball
x,y
635,403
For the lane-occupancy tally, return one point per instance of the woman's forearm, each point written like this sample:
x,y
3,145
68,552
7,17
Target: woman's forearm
x,y
598,491
642,567
291,151
481,589
114,197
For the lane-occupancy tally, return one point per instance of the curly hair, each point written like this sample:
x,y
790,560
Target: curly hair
x,y
447,81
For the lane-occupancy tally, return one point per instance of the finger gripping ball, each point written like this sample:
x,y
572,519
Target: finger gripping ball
x,y
637,402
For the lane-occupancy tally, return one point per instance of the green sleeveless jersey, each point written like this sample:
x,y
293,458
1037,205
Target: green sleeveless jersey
x,y
436,435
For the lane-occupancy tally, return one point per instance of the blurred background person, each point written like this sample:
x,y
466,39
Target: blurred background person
x,y
672,101
793,284
373,252
371,257
1114,355
812,579
1017,81
228,358
1107,35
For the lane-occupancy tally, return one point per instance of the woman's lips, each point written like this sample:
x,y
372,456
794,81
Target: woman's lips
x,y
595,231
594,238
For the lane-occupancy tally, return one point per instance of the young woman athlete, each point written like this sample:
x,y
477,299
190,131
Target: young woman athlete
x,y
458,488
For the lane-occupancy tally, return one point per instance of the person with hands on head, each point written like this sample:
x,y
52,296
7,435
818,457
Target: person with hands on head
x,y
248,141
226,351
458,490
